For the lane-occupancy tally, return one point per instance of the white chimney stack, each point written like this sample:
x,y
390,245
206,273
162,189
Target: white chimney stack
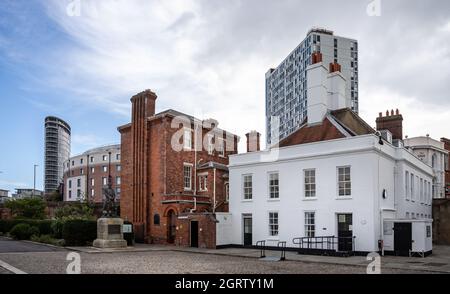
x,y
316,90
325,88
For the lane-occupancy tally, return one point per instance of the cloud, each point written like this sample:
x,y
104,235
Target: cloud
x,y
209,57
82,142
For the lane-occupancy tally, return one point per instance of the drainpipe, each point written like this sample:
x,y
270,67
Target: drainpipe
x,y
195,206
214,191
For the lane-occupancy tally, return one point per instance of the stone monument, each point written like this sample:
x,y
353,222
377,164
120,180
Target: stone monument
x,y
109,226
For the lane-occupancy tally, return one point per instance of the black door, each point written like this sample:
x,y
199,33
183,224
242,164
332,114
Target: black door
x,y
248,231
345,232
402,238
194,233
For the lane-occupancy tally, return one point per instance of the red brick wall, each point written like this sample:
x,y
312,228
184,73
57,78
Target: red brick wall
x,y
153,181
392,122
447,172
98,179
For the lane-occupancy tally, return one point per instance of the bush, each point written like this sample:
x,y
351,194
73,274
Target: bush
x,y
23,231
44,226
75,211
57,228
27,208
47,239
79,232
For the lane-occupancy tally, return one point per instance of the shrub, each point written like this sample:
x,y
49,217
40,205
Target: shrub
x,y
57,228
79,232
76,210
44,226
27,208
23,231
47,239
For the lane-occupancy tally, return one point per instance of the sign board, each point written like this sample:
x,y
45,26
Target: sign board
x,y
113,229
127,228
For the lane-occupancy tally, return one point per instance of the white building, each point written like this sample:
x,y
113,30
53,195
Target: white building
x,y
286,95
22,193
336,178
433,153
3,195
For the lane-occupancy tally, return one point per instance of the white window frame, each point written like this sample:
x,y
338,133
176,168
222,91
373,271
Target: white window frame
x,y
407,189
227,192
118,180
309,225
344,182
221,147
105,168
92,182
92,170
307,185
210,145
104,181
412,183
105,157
186,178
247,191
274,189
203,182
187,139
272,225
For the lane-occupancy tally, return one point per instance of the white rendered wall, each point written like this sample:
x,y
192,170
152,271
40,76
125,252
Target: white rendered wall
x,y
223,228
374,168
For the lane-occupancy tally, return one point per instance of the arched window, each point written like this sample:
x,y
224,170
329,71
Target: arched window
x,y
156,219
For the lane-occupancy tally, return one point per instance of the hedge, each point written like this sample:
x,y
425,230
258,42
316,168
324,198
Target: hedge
x,y
44,226
79,232
24,231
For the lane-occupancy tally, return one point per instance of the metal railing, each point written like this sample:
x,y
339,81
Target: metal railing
x,y
328,243
262,247
282,246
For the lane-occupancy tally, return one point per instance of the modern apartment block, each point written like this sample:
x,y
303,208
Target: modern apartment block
x,y
85,175
57,151
286,94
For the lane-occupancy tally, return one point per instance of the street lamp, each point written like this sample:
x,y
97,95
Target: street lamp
x,y
34,180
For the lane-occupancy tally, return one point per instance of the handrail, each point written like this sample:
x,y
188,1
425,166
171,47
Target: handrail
x,y
282,244
323,242
262,245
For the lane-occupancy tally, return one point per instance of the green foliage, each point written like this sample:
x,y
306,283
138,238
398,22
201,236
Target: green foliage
x,y
44,226
57,228
23,231
55,196
27,208
78,210
47,239
79,232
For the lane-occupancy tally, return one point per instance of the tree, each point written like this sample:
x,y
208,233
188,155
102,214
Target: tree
x,y
75,210
28,208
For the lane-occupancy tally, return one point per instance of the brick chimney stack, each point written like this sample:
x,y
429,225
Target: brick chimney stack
x,y
392,122
316,57
253,139
143,104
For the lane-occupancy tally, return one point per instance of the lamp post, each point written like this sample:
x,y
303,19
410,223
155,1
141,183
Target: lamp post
x,y
34,180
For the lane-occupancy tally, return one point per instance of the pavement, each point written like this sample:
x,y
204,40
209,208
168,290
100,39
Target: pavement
x,y
28,257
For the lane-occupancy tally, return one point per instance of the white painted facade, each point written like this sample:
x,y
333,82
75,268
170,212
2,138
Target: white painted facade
x,y
433,153
375,171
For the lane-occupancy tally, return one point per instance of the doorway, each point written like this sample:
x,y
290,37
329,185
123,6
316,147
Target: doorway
x,y
345,232
248,229
402,238
171,226
194,233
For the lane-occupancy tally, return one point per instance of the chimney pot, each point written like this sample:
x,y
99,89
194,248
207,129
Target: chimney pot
x,y
392,112
397,112
387,112
380,114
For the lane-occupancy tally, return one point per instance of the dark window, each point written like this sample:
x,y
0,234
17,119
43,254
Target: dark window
x,y
156,219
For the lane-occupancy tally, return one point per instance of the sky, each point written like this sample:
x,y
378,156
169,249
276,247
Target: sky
x,y
82,60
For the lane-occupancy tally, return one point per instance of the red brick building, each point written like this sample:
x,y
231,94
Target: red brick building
x,y
174,174
447,167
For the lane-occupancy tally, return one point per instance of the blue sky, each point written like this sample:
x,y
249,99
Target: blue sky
x,y
203,57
